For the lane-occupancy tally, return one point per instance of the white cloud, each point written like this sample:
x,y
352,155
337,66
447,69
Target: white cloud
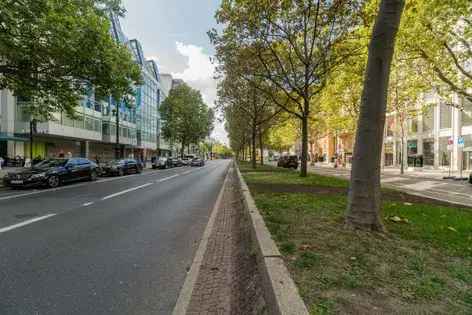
x,y
199,74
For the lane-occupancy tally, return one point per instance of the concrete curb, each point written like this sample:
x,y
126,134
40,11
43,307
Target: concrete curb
x,y
187,289
280,292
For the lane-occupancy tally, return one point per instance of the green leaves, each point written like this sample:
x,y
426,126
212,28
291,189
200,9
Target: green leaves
x,y
185,117
54,50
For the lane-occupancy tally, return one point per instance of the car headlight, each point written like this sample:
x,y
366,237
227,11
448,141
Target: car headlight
x,y
40,175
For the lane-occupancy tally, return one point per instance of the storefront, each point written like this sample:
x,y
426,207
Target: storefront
x,y
428,152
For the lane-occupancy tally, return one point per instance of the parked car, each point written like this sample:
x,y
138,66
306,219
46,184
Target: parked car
x,y
288,161
197,162
121,167
52,173
186,161
176,162
161,163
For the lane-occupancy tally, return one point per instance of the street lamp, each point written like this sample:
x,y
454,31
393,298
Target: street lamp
x,y
116,112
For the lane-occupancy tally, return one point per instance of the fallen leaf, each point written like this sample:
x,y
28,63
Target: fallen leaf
x,y
451,228
407,204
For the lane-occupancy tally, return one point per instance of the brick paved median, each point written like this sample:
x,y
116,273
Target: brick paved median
x,y
228,281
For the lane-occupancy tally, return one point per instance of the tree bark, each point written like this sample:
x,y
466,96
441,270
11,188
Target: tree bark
x,y
253,145
261,146
402,162
364,201
304,161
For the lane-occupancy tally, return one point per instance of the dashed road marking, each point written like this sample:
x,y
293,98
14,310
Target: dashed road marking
x,y
167,178
18,225
126,191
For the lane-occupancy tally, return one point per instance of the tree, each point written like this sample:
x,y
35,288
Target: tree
x,y
186,119
363,211
53,52
292,43
407,85
236,94
440,33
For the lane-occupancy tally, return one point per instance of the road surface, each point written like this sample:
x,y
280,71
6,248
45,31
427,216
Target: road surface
x,y
115,246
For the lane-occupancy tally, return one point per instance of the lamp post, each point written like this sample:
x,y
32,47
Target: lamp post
x,y
116,112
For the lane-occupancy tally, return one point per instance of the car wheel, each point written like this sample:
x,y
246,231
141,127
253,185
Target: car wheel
x,y
93,176
54,181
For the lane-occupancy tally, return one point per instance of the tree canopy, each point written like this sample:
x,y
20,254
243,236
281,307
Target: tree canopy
x,y
186,119
53,51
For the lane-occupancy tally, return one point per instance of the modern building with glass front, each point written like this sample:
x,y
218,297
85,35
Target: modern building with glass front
x,y
93,133
438,137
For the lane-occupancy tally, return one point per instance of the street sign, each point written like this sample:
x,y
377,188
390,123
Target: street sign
x,y
460,142
450,141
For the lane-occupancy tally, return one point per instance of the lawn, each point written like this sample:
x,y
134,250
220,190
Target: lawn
x,y
423,265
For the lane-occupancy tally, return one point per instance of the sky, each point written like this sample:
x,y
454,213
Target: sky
x,y
174,34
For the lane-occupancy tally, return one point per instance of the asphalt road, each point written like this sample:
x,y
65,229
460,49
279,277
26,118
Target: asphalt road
x,y
116,246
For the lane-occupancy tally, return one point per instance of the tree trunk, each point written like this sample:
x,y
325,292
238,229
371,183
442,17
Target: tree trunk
x,y
363,210
304,161
402,162
183,150
261,146
253,146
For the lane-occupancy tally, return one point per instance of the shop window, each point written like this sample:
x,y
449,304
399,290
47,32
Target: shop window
x,y
412,146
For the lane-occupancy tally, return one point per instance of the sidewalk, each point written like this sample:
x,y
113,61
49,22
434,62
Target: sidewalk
x,y
228,281
391,171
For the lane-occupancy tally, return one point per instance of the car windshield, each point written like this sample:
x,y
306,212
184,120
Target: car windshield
x,y
51,163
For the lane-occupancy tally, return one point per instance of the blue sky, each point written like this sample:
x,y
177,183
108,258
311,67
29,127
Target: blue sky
x,y
173,32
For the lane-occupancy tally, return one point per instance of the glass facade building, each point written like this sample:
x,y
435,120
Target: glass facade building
x,y
92,133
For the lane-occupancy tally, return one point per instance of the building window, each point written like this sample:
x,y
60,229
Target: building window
x,y
445,117
428,119
428,152
466,116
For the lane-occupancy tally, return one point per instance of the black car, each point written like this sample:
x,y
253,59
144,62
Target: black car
x,y
197,162
288,161
121,167
52,173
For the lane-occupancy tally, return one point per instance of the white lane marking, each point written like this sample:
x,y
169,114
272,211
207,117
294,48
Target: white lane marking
x,y
88,204
167,178
126,191
15,226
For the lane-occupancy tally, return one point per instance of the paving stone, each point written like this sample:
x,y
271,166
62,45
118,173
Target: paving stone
x,y
228,281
